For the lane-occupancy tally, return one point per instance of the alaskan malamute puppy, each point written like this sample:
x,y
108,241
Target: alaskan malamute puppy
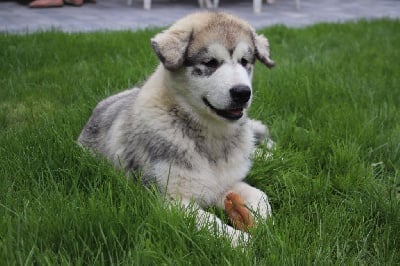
x,y
186,129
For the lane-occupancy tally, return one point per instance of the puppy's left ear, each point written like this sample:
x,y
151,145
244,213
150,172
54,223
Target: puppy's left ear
x,y
170,47
262,50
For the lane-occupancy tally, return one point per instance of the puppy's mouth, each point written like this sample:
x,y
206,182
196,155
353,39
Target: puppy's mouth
x,y
230,114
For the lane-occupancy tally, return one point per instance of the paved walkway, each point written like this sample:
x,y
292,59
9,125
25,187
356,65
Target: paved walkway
x,y
116,15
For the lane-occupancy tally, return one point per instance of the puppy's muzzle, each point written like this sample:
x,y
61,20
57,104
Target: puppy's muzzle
x,y
240,94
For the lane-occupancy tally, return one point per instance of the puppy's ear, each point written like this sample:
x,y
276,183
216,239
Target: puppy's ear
x,y
262,50
170,47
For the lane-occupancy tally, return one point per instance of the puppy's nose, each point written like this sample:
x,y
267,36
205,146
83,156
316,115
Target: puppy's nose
x,y
240,93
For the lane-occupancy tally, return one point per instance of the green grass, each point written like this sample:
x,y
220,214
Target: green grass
x,y
333,106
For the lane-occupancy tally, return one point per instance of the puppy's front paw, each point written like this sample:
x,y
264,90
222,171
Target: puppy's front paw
x,y
239,238
264,208
239,215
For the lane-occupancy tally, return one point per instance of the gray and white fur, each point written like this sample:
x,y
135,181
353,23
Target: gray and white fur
x,y
186,129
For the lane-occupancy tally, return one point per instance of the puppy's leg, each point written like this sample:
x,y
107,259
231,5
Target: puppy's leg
x,y
261,134
262,138
214,224
254,199
239,215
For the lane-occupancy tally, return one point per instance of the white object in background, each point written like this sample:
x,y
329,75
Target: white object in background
x,y
257,6
146,4
209,3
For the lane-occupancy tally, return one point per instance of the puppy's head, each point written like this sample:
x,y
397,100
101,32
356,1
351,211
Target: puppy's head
x,y
210,57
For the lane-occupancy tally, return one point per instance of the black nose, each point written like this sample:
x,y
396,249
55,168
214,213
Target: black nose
x,y
240,94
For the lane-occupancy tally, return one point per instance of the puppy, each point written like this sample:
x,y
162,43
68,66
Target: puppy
x,y
186,129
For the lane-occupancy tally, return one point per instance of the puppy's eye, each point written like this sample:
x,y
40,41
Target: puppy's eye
x,y
244,62
212,63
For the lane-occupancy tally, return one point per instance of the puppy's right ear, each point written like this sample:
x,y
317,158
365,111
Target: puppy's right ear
x,y
170,47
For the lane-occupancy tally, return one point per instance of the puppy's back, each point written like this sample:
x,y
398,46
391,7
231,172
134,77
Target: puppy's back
x,y
104,115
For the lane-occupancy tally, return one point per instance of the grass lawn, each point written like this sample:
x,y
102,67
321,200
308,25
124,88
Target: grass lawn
x,y
333,107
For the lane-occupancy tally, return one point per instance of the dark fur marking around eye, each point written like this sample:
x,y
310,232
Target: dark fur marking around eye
x,y
197,71
195,58
203,71
212,63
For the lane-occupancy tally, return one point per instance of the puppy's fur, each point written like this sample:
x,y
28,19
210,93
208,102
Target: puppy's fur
x,y
186,128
